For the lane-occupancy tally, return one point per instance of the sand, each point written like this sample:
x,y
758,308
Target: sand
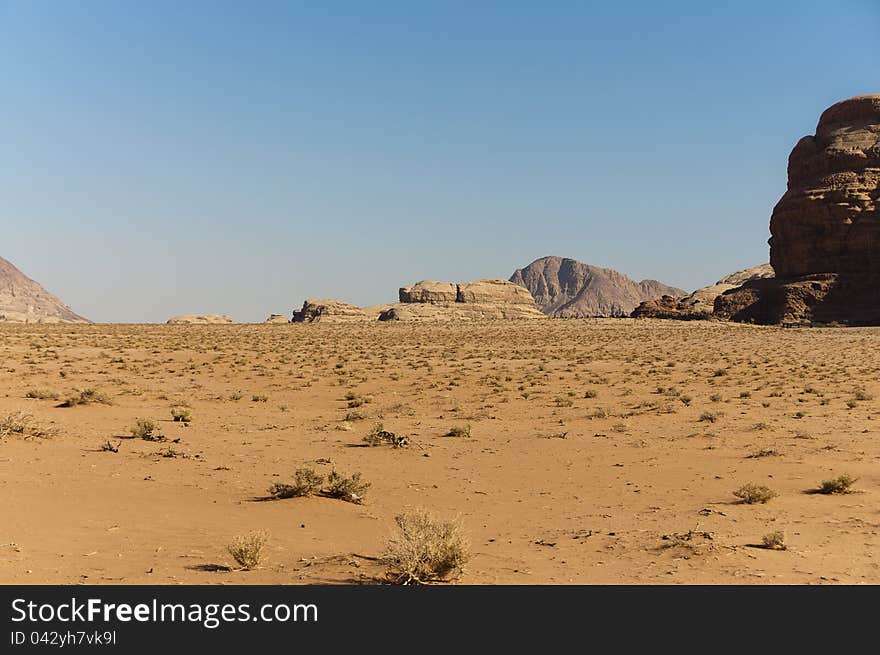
x,y
601,451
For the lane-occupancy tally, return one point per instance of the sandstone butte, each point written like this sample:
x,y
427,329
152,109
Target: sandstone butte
x,y
481,299
200,319
825,230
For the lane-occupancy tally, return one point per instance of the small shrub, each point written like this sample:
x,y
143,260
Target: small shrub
x,y
22,425
305,483
774,541
839,485
247,550
709,417
425,549
459,431
590,393
349,489
42,394
109,447
260,398
754,493
181,414
147,430
87,397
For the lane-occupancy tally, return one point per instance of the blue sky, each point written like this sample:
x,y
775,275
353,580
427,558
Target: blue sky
x,y
159,158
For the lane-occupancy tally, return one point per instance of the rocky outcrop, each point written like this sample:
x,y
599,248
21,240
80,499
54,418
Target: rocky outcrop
x,y
825,230
328,311
277,318
568,288
200,319
429,291
701,303
828,220
23,300
467,301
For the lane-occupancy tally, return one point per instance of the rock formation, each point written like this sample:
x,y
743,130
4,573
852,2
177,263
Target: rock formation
x,y
328,311
24,301
200,319
825,230
429,291
482,299
568,288
701,303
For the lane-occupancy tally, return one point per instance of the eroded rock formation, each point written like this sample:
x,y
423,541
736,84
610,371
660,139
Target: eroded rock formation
x,y
481,299
701,303
328,311
200,319
825,230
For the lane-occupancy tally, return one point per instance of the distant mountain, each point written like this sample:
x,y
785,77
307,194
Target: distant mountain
x,y
24,301
567,288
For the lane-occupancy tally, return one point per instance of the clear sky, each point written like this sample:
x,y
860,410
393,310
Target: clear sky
x,y
159,157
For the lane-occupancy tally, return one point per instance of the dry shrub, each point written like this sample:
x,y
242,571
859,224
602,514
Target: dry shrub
x,y
459,431
247,549
425,549
839,485
21,424
181,414
87,397
147,430
305,483
754,493
774,541
42,394
349,489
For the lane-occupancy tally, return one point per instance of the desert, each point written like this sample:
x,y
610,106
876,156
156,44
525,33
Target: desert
x,y
457,296
588,451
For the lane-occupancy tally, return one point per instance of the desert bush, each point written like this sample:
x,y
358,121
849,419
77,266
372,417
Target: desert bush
x,y
109,447
181,414
21,424
43,394
754,493
247,549
709,417
861,394
763,452
425,549
147,430
838,485
774,541
459,431
260,398
86,397
590,393
350,489
305,483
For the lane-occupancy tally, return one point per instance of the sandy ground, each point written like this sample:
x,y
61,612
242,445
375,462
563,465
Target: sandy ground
x,y
600,451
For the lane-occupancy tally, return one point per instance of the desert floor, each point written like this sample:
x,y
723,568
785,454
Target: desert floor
x,y
599,451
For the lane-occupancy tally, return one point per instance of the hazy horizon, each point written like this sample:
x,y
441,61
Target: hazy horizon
x,y
163,159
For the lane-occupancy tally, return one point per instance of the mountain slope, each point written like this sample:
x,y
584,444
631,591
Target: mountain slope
x,y
567,288
23,300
